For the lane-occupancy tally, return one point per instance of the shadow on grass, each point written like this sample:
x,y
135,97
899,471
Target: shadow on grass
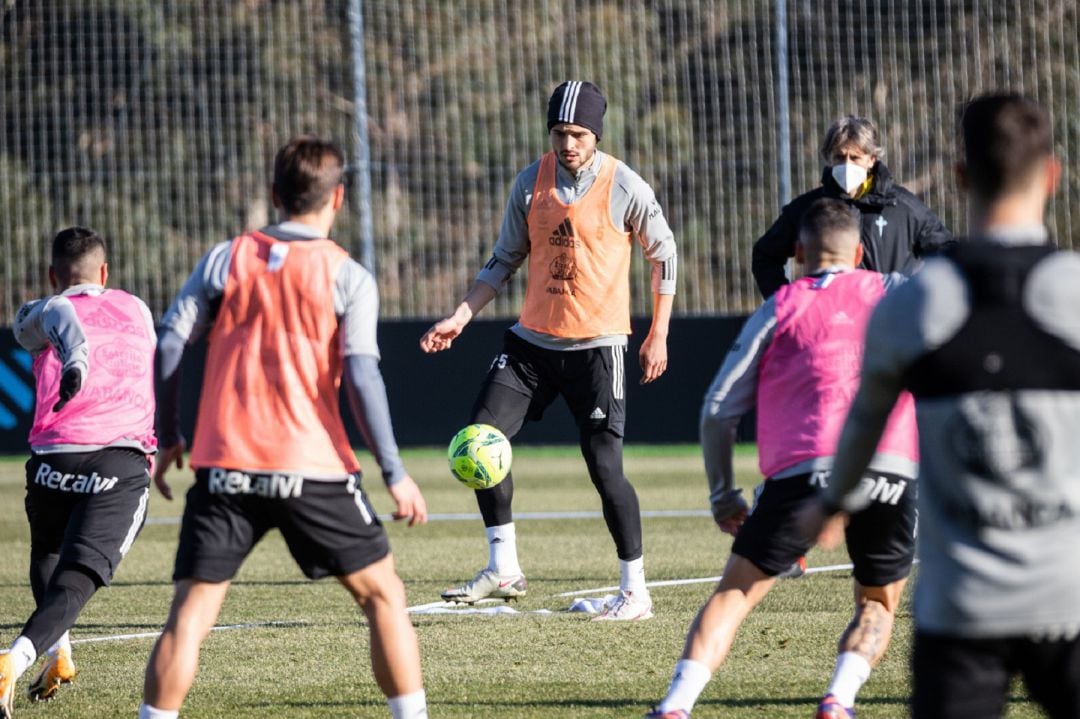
x,y
493,705
627,705
797,701
81,629
813,701
234,583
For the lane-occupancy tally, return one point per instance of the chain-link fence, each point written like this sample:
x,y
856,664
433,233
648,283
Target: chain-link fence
x,y
156,122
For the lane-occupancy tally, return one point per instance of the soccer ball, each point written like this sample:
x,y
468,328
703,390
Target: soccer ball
x,y
479,456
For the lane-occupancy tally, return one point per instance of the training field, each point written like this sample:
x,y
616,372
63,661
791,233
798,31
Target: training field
x,y
298,649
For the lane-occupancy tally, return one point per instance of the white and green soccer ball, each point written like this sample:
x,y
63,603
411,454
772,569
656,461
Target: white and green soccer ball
x,y
479,456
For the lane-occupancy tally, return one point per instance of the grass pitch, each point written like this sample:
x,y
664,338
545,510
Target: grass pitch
x,y
313,660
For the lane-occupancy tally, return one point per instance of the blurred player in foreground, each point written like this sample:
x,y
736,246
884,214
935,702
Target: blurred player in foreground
x,y
573,215
797,361
988,342
288,313
92,443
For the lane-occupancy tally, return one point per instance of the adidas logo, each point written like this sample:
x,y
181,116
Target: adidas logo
x,y
563,236
106,316
598,414
842,318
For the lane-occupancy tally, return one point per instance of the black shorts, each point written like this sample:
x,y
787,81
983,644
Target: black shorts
x,y
592,381
957,678
880,538
329,527
88,507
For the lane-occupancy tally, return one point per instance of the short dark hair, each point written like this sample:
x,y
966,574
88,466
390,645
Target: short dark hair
x,y
1004,137
70,246
827,216
307,170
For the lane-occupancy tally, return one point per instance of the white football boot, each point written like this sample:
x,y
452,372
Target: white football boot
x,y
627,607
487,584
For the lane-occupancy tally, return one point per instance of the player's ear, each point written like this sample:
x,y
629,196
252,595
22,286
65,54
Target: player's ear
x,y
104,271
1053,174
800,253
54,280
274,197
961,176
339,197
859,252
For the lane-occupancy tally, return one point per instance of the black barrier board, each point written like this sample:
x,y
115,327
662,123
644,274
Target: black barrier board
x,y
431,395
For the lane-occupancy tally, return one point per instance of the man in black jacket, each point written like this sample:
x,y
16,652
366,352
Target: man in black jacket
x,y
895,227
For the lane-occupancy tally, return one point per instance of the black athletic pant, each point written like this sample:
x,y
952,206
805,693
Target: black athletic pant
x,y
508,408
85,510
60,610
58,604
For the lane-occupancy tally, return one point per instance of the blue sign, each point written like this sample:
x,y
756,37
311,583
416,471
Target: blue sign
x,y
16,393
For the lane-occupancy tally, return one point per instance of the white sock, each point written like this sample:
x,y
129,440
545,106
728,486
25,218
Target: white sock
x,y
64,643
852,671
148,712
409,706
23,653
686,686
502,550
632,576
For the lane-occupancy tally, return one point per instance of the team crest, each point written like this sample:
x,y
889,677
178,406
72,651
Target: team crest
x,y
121,359
563,267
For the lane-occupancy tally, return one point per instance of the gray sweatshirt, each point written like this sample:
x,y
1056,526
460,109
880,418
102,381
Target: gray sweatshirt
x,y
356,304
999,483
633,206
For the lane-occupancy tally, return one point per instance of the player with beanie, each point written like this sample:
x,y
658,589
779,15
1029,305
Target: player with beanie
x,y
577,103
574,216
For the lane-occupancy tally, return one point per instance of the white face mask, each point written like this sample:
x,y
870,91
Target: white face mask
x,y
850,177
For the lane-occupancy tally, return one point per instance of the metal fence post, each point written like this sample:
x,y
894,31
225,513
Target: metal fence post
x,y
783,95
361,169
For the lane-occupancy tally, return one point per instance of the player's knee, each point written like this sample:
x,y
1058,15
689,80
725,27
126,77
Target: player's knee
x,y
880,600
195,608
375,586
43,554
76,580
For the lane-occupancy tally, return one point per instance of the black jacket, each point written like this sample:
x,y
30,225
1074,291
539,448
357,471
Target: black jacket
x,y
897,230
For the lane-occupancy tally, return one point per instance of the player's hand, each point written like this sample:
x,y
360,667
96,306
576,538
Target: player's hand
x,y
70,384
730,513
410,502
813,521
734,523
832,534
168,456
653,358
442,334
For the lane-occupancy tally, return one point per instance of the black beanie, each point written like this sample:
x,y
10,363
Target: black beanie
x,y
577,103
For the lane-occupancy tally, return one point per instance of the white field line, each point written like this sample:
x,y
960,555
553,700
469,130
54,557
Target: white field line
x,y
154,635
470,517
448,607
703,580
453,608
695,580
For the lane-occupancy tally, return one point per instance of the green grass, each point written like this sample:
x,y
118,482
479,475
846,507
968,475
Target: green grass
x,y
530,665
